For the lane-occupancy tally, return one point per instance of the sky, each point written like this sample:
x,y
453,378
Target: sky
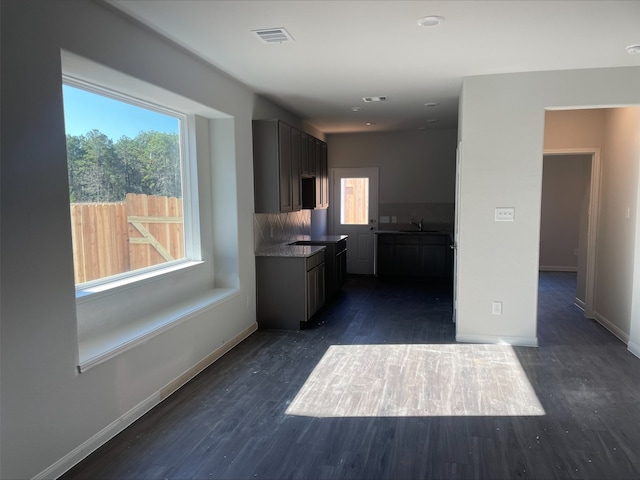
x,y
84,111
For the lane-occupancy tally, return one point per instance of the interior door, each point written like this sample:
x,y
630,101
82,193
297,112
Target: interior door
x,y
354,212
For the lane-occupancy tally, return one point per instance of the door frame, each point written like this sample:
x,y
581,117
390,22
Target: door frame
x,y
334,206
456,231
594,213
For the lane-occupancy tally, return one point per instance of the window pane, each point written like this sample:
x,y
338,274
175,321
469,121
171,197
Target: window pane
x,y
125,185
354,201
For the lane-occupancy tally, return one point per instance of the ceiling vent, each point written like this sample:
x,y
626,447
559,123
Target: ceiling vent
x,y
375,99
273,35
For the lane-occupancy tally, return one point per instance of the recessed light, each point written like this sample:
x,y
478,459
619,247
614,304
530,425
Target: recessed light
x,y
633,49
431,104
368,124
356,109
430,21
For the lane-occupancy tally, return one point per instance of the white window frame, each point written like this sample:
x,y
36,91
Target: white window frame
x,y
189,187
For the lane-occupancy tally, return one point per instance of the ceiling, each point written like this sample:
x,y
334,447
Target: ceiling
x,y
346,50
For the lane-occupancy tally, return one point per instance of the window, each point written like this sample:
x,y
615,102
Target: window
x,y
354,201
125,162
118,312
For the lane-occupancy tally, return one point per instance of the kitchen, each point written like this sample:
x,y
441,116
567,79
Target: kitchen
x,y
423,160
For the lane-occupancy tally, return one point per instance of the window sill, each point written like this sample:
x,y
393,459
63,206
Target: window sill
x,y
92,292
99,349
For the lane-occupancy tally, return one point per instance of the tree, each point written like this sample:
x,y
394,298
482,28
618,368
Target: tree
x,y
101,171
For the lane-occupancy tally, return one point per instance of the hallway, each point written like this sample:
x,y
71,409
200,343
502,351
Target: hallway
x,y
232,421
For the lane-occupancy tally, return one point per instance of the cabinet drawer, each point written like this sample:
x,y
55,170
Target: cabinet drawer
x,y
315,260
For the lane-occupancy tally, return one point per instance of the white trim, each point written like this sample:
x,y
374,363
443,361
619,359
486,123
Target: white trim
x,y
103,436
611,327
633,348
594,212
558,268
579,303
498,340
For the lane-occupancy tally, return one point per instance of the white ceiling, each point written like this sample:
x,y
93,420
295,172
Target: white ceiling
x,y
346,50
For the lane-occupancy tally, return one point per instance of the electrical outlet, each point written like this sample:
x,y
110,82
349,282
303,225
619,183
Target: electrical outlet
x,y
505,214
496,308
576,252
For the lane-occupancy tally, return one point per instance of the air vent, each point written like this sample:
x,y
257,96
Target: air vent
x,y
273,35
375,99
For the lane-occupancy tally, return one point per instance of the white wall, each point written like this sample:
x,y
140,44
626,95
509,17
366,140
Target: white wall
x,y
617,224
48,409
502,134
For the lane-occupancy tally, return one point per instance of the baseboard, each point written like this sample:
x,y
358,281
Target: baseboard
x,y
634,348
498,339
611,327
551,268
579,303
103,436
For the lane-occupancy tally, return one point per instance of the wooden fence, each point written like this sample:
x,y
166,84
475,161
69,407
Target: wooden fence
x,y
112,238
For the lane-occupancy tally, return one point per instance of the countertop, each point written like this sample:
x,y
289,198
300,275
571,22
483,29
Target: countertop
x,y
290,251
316,244
412,232
321,238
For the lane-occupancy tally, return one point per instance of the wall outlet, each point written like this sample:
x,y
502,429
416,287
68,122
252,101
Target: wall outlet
x,y
496,308
505,214
576,252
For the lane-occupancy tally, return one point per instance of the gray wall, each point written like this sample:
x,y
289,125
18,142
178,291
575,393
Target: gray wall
x,y
565,183
417,172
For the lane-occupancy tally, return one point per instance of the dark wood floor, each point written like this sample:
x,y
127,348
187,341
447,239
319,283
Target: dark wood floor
x,y
230,421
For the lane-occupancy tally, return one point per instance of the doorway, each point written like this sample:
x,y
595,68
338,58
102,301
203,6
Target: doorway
x,y
569,218
354,212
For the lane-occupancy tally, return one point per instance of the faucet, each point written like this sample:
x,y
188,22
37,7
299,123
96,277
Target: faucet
x,y
417,224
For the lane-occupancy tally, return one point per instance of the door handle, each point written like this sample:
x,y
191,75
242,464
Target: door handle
x,y
453,246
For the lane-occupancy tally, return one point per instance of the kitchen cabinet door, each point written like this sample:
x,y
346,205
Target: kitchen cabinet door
x,y
276,167
296,165
284,145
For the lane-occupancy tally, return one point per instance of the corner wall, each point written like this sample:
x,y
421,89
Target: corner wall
x,y
502,134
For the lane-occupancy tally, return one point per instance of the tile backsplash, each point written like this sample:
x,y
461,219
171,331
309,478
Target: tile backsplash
x,y
278,228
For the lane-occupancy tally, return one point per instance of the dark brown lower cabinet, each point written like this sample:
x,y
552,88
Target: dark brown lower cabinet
x,y
421,255
290,290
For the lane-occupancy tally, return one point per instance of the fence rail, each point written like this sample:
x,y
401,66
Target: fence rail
x,y
112,238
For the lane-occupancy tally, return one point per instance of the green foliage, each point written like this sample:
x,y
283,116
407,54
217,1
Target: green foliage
x,y
103,171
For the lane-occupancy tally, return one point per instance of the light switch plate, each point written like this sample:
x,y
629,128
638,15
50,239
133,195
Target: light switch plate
x,y
384,219
505,214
